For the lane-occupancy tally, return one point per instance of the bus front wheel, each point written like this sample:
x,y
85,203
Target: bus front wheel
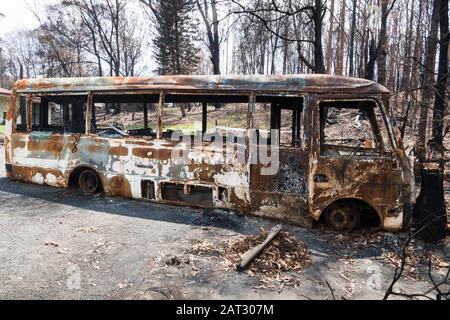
x,y
88,182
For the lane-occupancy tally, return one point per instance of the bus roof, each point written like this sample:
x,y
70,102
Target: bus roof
x,y
285,83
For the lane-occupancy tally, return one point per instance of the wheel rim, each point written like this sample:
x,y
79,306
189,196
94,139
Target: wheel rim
x,y
343,218
88,182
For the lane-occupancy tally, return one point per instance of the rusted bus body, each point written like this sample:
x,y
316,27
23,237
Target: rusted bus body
x,y
309,181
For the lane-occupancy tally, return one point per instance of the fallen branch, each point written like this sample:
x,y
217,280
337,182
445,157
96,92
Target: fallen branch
x,y
253,253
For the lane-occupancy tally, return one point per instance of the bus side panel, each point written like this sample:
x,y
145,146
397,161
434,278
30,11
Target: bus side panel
x,y
283,196
129,167
42,157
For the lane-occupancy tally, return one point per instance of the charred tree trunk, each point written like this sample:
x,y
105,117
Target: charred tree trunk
x,y
428,85
330,39
341,42
352,41
405,80
430,212
364,49
215,52
319,66
383,42
183,110
212,32
20,70
370,68
441,85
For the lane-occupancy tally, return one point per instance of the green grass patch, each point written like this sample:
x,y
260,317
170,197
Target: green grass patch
x,y
2,129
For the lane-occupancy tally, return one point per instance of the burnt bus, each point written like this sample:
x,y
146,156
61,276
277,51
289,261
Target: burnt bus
x,y
339,155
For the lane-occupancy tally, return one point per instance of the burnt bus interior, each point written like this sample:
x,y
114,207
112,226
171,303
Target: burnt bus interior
x,y
352,128
56,114
347,128
66,114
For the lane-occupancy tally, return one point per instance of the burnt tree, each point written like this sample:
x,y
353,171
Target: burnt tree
x,y
428,83
378,50
293,13
430,210
212,31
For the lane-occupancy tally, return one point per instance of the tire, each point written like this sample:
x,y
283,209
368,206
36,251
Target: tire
x,y
343,217
88,182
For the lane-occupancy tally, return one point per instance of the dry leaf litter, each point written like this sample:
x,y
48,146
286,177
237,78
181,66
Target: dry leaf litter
x,y
273,267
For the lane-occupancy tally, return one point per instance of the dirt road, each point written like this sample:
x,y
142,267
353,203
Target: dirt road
x,y
60,244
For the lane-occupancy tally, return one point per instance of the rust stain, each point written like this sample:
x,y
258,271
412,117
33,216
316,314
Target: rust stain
x,y
28,174
119,186
52,145
7,150
152,153
11,107
95,148
19,142
144,153
119,151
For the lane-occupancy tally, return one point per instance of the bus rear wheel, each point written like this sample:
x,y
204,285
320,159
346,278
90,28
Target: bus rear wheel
x,y
88,182
343,217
